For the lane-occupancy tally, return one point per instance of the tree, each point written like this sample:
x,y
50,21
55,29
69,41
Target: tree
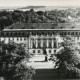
x,y
11,66
68,59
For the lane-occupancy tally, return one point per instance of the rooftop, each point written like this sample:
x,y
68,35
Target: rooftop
x,y
22,26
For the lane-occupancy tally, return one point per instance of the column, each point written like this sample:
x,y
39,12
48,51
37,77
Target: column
x,y
36,40
30,43
52,40
41,42
36,43
47,40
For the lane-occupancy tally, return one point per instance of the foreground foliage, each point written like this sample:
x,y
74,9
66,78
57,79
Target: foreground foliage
x,y
11,66
68,59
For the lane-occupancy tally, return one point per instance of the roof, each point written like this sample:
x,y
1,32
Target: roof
x,y
44,26
11,30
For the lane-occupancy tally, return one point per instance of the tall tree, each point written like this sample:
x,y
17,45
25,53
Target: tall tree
x,y
68,59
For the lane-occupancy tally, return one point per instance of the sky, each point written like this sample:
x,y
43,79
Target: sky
x,y
13,3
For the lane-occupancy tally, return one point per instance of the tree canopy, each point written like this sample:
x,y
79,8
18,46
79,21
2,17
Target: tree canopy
x,y
68,59
11,66
53,16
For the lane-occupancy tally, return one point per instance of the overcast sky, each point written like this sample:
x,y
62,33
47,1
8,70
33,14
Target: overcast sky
x,y
13,3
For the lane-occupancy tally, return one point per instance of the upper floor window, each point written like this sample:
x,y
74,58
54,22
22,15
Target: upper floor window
x,y
39,43
55,45
49,43
44,43
33,43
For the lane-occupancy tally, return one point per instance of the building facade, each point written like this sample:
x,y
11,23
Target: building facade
x,y
39,40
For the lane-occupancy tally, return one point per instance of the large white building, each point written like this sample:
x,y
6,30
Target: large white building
x,y
38,40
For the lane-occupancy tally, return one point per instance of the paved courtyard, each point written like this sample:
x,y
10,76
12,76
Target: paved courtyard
x,y
41,65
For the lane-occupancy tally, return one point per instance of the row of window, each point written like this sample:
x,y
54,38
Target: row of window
x,y
39,51
60,33
39,45
77,38
41,33
14,33
55,32
18,39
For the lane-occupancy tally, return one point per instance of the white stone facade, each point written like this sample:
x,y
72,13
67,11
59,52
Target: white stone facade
x,y
38,40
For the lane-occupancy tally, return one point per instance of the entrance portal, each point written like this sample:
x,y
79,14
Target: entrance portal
x,y
45,53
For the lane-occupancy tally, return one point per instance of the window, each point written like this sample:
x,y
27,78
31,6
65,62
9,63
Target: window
x,y
24,38
20,39
13,39
33,51
9,39
50,43
17,39
49,51
38,51
33,43
54,51
54,38
55,45
68,33
44,42
39,43
78,38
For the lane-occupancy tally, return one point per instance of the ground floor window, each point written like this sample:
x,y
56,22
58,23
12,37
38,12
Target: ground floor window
x,y
24,38
49,51
38,51
54,51
33,51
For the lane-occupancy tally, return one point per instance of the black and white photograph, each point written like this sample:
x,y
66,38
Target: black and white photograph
x,y
39,39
